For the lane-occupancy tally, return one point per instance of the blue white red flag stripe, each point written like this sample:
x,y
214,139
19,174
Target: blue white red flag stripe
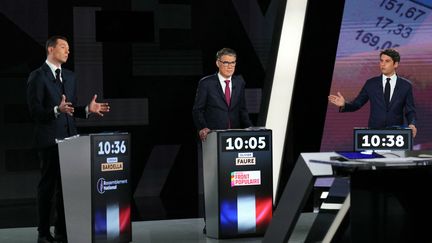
x,y
246,214
111,222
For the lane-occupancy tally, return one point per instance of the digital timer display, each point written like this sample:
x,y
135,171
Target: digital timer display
x,y
382,139
111,147
247,143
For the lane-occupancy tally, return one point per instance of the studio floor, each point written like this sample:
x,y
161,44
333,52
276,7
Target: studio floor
x,y
165,231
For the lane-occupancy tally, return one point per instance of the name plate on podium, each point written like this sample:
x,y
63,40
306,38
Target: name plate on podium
x,y
382,139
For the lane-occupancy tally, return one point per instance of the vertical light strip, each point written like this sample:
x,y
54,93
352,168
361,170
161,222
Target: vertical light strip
x,y
246,221
113,221
283,80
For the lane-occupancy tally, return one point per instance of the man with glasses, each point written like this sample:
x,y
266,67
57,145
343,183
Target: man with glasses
x,y
220,100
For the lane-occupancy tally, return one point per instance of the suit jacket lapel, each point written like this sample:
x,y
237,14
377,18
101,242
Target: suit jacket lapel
x,y
395,92
66,83
381,90
51,79
235,91
48,72
218,87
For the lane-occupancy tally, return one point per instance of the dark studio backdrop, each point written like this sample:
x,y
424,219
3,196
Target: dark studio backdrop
x,y
146,58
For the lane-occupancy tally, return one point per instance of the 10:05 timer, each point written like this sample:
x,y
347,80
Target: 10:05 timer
x,y
246,143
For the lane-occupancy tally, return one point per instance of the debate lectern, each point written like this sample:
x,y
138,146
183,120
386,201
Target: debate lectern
x,y
95,173
238,187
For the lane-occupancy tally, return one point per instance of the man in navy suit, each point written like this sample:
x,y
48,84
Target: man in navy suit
x,y
387,109
51,98
220,100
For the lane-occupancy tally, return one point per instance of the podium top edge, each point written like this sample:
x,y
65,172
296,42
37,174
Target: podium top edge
x,y
383,129
90,134
67,139
241,129
106,133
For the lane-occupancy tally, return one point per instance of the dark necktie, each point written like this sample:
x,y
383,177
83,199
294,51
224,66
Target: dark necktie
x,y
228,98
59,82
57,71
387,91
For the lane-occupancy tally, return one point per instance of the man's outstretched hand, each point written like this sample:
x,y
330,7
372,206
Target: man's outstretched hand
x,y
65,107
98,108
337,100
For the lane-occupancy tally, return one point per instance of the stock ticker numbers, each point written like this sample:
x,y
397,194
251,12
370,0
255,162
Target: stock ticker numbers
x,y
405,9
394,21
374,40
386,24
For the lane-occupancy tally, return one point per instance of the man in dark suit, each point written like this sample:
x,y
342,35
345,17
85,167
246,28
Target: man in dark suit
x,y
391,98
220,100
51,98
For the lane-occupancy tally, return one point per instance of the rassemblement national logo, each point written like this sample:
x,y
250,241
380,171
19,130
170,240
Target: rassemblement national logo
x,y
103,185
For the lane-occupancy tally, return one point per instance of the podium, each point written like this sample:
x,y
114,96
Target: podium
x,y
95,173
238,187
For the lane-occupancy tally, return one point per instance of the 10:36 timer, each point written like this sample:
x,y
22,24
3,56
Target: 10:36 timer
x,y
111,147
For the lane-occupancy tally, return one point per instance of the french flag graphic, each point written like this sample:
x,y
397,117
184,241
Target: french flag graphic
x,y
112,222
246,214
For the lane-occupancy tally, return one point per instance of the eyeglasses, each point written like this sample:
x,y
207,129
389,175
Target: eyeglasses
x,y
225,63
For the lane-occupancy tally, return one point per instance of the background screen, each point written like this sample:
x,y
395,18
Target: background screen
x,y
369,26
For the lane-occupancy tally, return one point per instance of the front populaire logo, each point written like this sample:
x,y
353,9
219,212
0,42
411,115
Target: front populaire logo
x,y
245,178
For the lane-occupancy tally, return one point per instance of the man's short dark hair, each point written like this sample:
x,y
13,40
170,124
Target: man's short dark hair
x,y
52,41
225,51
392,53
